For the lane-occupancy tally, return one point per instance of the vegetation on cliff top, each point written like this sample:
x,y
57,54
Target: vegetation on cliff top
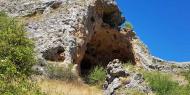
x,y
128,25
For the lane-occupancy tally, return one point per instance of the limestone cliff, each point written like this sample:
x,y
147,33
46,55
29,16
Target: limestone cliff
x,y
87,33
79,31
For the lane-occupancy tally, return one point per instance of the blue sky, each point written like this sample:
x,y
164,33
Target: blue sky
x,y
163,25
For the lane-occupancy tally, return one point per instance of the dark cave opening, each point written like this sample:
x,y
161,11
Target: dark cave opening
x,y
105,46
89,61
107,18
107,43
54,54
85,67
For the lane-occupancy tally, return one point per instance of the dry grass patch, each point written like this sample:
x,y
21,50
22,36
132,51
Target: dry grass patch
x,y
180,79
57,87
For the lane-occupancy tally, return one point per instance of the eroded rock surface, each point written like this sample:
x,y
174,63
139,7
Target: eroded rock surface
x,y
86,33
62,28
120,78
75,31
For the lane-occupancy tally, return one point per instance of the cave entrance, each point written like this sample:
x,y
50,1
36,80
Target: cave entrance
x,y
106,43
85,66
105,46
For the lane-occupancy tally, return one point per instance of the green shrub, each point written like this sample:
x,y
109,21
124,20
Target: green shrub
x,y
97,75
14,45
61,73
14,83
7,68
162,84
128,66
19,86
16,59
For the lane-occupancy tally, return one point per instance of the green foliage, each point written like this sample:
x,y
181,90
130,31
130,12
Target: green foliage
x,y
18,86
7,70
128,25
162,84
129,66
16,59
15,46
97,75
3,14
61,73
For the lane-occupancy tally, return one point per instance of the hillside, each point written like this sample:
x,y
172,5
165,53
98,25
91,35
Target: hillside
x,y
83,47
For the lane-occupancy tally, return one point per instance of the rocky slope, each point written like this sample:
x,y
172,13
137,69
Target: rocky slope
x,y
84,33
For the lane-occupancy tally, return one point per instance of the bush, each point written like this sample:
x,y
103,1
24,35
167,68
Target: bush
x,y
162,84
16,59
14,45
19,86
9,84
61,73
97,75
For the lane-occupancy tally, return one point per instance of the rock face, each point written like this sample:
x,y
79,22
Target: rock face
x,y
118,77
86,33
72,31
114,71
80,32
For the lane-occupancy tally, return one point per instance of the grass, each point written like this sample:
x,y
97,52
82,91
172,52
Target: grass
x,y
62,81
163,84
57,87
97,76
128,91
130,67
61,73
187,75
